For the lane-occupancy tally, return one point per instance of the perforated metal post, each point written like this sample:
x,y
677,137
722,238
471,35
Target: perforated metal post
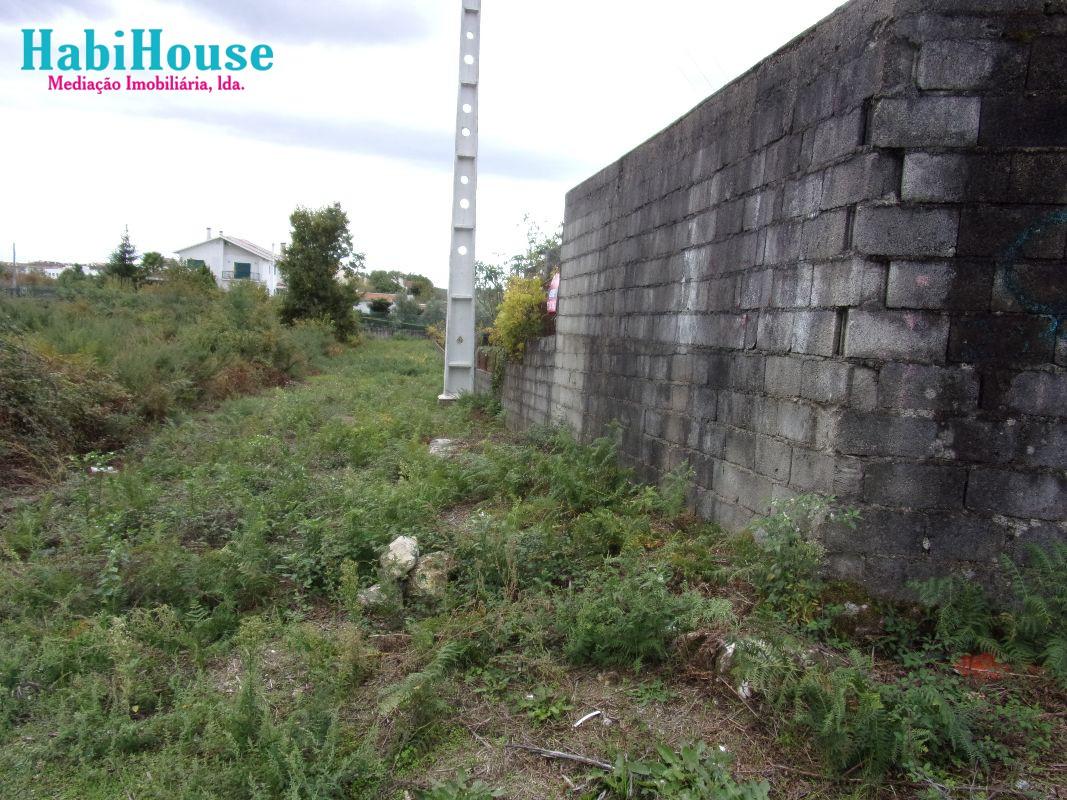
x,y
459,325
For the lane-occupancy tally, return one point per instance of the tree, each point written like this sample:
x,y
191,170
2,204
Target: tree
x,y
385,281
489,280
321,242
542,256
406,310
152,263
434,312
123,262
419,286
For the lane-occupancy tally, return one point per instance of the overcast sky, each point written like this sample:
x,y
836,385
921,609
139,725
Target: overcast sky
x,y
359,108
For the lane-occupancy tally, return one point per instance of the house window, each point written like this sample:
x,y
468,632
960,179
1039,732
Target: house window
x,y
195,262
242,270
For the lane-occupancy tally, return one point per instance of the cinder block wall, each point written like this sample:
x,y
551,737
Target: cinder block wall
x,y
843,273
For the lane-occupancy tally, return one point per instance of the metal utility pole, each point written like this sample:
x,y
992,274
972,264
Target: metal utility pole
x,y
459,322
14,270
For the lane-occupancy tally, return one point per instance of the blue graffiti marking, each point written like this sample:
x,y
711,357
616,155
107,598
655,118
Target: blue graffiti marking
x,y
1056,313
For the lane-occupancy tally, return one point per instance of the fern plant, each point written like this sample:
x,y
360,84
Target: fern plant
x,y
447,658
1031,628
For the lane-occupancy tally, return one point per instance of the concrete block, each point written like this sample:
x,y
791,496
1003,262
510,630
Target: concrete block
x,y
914,386
802,197
775,331
914,486
772,458
955,177
837,137
941,285
811,471
1031,120
1018,494
1038,178
906,232
868,176
971,65
863,391
796,422
941,121
897,336
826,381
740,447
814,332
1048,63
1000,338
1043,443
1039,393
791,286
1000,231
882,532
825,236
783,376
867,434
854,281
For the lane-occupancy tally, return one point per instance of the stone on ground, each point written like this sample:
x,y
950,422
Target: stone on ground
x,y
401,557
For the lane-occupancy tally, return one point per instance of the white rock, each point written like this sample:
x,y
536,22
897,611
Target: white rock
x,y
442,447
401,557
371,596
430,578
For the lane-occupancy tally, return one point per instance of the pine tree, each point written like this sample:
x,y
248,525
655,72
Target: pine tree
x,y
123,262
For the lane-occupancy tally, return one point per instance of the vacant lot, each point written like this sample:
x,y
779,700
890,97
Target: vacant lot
x,y
193,626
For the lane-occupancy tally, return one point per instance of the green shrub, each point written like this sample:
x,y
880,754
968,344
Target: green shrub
x,y
521,316
82,371
1029,627
916,723
693,772
786,561
51,405
628,617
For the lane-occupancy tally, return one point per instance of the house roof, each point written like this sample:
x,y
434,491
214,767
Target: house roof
x,y
368,296
244,244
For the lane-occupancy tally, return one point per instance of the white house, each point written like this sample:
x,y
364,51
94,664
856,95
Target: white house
x,y
231,259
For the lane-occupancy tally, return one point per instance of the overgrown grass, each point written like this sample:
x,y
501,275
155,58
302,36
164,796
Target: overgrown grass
x,y
190,626
86,370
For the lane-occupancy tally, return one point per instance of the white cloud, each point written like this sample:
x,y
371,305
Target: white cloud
x,y
363,116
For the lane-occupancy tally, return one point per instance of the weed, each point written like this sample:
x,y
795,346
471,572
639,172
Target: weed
x,y
461,788
544,704
786,562
627,616
649,692
691,772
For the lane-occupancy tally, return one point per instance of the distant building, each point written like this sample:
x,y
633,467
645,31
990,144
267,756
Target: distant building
x,y
50,269
363,306
231,260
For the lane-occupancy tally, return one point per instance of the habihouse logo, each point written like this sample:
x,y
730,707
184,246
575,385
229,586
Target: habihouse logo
x,y
143,51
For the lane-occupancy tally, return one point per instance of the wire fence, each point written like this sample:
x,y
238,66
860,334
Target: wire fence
x,y
387,329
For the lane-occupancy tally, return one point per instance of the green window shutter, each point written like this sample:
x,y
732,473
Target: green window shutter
x,y
242,270
195,262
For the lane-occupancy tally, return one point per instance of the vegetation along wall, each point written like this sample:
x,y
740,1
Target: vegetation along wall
x,y
843,273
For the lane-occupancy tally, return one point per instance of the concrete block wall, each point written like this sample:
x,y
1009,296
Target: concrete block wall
x,y
843,273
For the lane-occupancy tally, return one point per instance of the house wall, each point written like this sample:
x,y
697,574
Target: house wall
x,y
843,273
263,268
219,255
210,253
